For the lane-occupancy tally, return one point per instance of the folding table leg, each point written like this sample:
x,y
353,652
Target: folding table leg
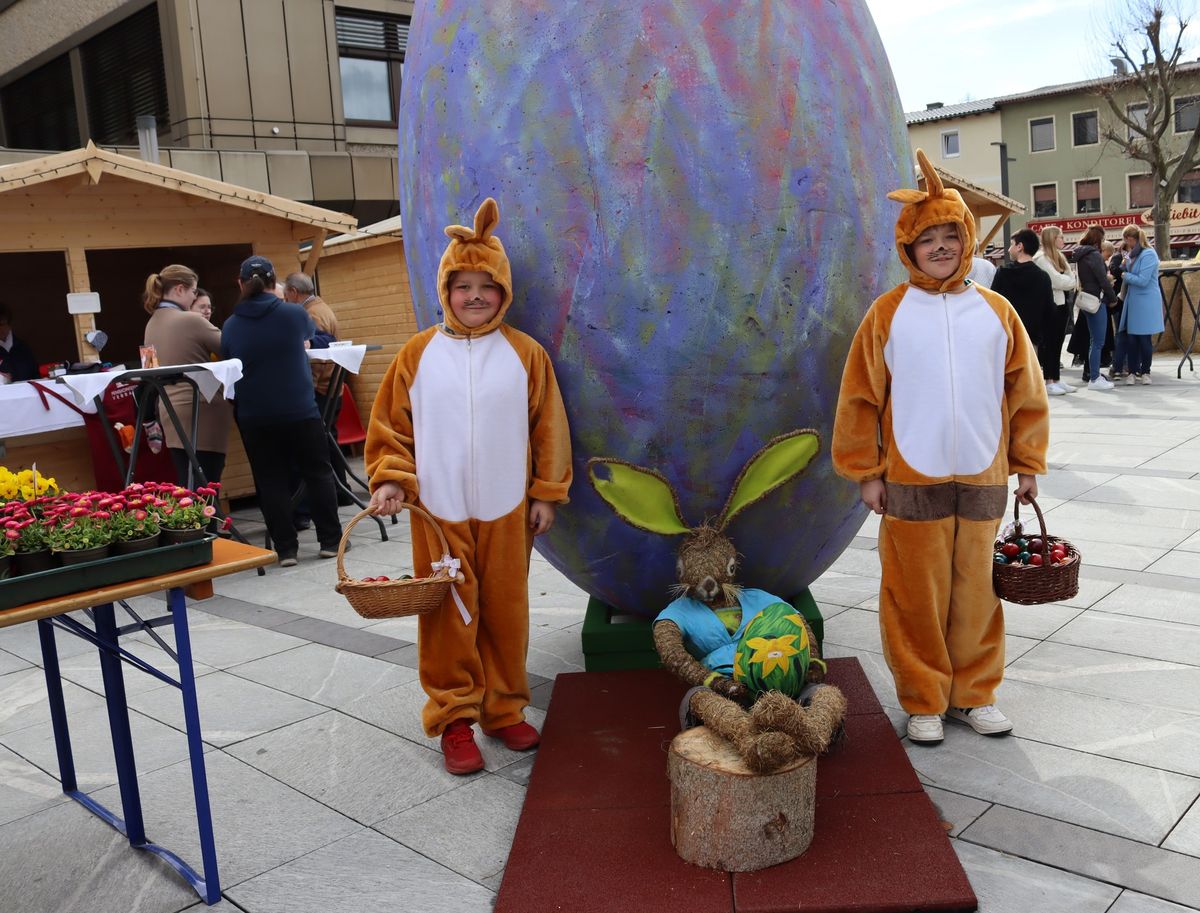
x,y
191,717
118,722
58,707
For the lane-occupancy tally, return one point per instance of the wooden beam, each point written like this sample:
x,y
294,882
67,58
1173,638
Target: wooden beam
x,y
94,170
991,234
314,252
78,281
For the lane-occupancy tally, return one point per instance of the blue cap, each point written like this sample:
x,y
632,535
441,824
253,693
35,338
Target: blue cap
x,y
257,266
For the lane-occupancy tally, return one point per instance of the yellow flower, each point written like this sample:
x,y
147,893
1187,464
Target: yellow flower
x,y
738,672
773,653
799,623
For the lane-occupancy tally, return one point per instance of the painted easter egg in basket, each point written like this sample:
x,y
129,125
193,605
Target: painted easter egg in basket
x,y
693,198
773,652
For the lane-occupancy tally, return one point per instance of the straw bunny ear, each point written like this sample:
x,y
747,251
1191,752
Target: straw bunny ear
x,y
487,217
640,497
780,461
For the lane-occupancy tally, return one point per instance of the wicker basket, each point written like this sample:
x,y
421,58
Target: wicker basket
x,y
395,598
1037,584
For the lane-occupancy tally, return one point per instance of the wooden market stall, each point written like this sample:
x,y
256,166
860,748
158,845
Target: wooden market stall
x,y
90,220
983,203
364,278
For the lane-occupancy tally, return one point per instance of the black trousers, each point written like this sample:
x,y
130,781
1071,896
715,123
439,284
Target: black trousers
x,y
303,512
272,449
1054,331
211,462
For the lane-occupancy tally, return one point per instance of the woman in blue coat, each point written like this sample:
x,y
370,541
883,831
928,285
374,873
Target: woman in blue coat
x,y
1142,316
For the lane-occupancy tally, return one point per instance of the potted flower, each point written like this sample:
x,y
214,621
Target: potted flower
x,y
6,556
184,515
81,532
27,532
134,526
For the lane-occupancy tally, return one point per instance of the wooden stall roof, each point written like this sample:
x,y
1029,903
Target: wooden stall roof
x,y
95,163
368,236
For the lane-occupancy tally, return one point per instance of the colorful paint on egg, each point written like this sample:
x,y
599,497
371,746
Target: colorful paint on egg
x,y
693,199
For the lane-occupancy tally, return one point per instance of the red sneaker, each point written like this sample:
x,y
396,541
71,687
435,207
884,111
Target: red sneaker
x,y
460,753
517,737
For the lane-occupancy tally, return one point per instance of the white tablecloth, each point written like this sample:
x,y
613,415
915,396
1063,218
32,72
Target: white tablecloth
x,y
22,411
349,357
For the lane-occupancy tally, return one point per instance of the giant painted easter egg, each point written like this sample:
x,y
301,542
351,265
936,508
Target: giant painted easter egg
x,y
693,199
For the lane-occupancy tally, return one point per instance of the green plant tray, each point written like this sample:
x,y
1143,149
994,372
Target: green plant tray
x,y
61,581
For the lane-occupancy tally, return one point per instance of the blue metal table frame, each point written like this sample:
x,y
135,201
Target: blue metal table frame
x,y
99,606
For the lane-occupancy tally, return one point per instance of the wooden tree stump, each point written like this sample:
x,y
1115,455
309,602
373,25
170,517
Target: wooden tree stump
x,y
725,816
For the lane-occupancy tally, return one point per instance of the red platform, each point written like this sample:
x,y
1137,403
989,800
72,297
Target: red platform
x,y
595,834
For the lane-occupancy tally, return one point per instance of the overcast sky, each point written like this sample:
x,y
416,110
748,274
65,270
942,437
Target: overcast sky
x,y
958,50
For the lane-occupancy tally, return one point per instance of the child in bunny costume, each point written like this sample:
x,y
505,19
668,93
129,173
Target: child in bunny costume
x,y
469,423
941,400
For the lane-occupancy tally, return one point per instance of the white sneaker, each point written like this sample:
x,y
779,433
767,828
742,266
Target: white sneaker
x,y
925,728
1100,383
1055,389
986,720
1131,379
1067,388
1146,379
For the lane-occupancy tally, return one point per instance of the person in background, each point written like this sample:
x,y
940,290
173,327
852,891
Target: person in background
x,y
1118,262
203,304
1062,280
1093,279
1142,315
183,336
276,409
16,358
982,271
1026,287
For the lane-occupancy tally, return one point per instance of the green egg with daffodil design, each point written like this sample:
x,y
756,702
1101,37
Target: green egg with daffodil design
x,y
773,652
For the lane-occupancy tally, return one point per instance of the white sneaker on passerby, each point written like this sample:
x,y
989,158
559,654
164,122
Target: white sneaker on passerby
x,y
1146,379
1100,383
1067,388
986,720
925,728
1131,379
1053,388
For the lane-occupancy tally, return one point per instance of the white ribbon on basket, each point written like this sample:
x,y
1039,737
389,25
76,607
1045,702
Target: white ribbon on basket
x,y
451,567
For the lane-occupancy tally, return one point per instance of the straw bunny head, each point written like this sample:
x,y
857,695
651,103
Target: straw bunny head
x,y
934,205
476,250
707,561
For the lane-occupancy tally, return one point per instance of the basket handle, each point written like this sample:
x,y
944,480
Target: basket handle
x,y
1041,522
370,512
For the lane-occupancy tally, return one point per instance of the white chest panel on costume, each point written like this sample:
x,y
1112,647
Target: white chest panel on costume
x,y
470,402
946,355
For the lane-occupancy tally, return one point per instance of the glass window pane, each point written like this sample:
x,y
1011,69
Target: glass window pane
x,y
1189,188
950,144
1041,134
1087,129
1137,113
1141,191
1087,196
1187,114
366,89
1045,200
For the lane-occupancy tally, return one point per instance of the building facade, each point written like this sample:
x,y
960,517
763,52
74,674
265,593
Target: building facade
x,y
296,98
960,138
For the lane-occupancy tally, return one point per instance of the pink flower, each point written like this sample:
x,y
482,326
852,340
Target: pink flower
x,y
11,534
186,502
11,524
79,511
227,523
68,525
209,510
206,491
102,515
180,492
139,515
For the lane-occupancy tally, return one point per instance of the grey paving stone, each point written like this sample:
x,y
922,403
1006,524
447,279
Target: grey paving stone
x,y
1036,621
66,860
1091,589
359,770
261,616
403,628
221,906
1016,647
468,830
258,822
398,710
1125,516
1006,884
958,811
1118,554
1086,852
1125,634
559,651
858,562
10,662
362,873
1151,602
23,700
840,589
1144,734
1177,564
325,675
1111,796
84,668
22,640
221,642
1143,681
1185,838
24,789
405,656
520,772
855,628
353,640
875,668
539,695
1132,902
232,709
1069,484
1180,494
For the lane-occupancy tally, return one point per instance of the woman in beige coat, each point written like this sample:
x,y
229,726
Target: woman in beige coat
x,y
181,336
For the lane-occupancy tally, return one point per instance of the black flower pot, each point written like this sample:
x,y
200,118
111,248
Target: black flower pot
x,y
175,536
33,562
6,567
131,546
82,555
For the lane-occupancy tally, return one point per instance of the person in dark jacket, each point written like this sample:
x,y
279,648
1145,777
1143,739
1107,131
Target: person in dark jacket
x,y
1093,279
276,411
1026,285
16,358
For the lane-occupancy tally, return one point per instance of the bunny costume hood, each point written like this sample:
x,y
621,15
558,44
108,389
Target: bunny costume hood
x,y
935,205
475,250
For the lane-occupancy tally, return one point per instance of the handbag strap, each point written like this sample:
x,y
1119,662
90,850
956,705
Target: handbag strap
x,y
43,392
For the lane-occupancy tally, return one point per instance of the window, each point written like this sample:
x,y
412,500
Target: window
x,y
950,144
1141,191
39,109
1045,200
1189,188
124,78
1085,128
1187,113
1137,113
1041,134
1087,196
371,60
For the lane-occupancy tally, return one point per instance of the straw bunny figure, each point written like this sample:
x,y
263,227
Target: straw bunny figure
x,y
737,648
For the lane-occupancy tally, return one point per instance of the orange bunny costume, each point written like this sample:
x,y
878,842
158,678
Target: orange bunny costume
x,y
470,423
942,398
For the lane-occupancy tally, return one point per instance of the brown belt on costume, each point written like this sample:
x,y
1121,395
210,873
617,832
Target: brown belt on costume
x,y
946,499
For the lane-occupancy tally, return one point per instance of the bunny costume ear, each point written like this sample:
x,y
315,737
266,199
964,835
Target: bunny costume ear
x,y
640,497
935,205
780,461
